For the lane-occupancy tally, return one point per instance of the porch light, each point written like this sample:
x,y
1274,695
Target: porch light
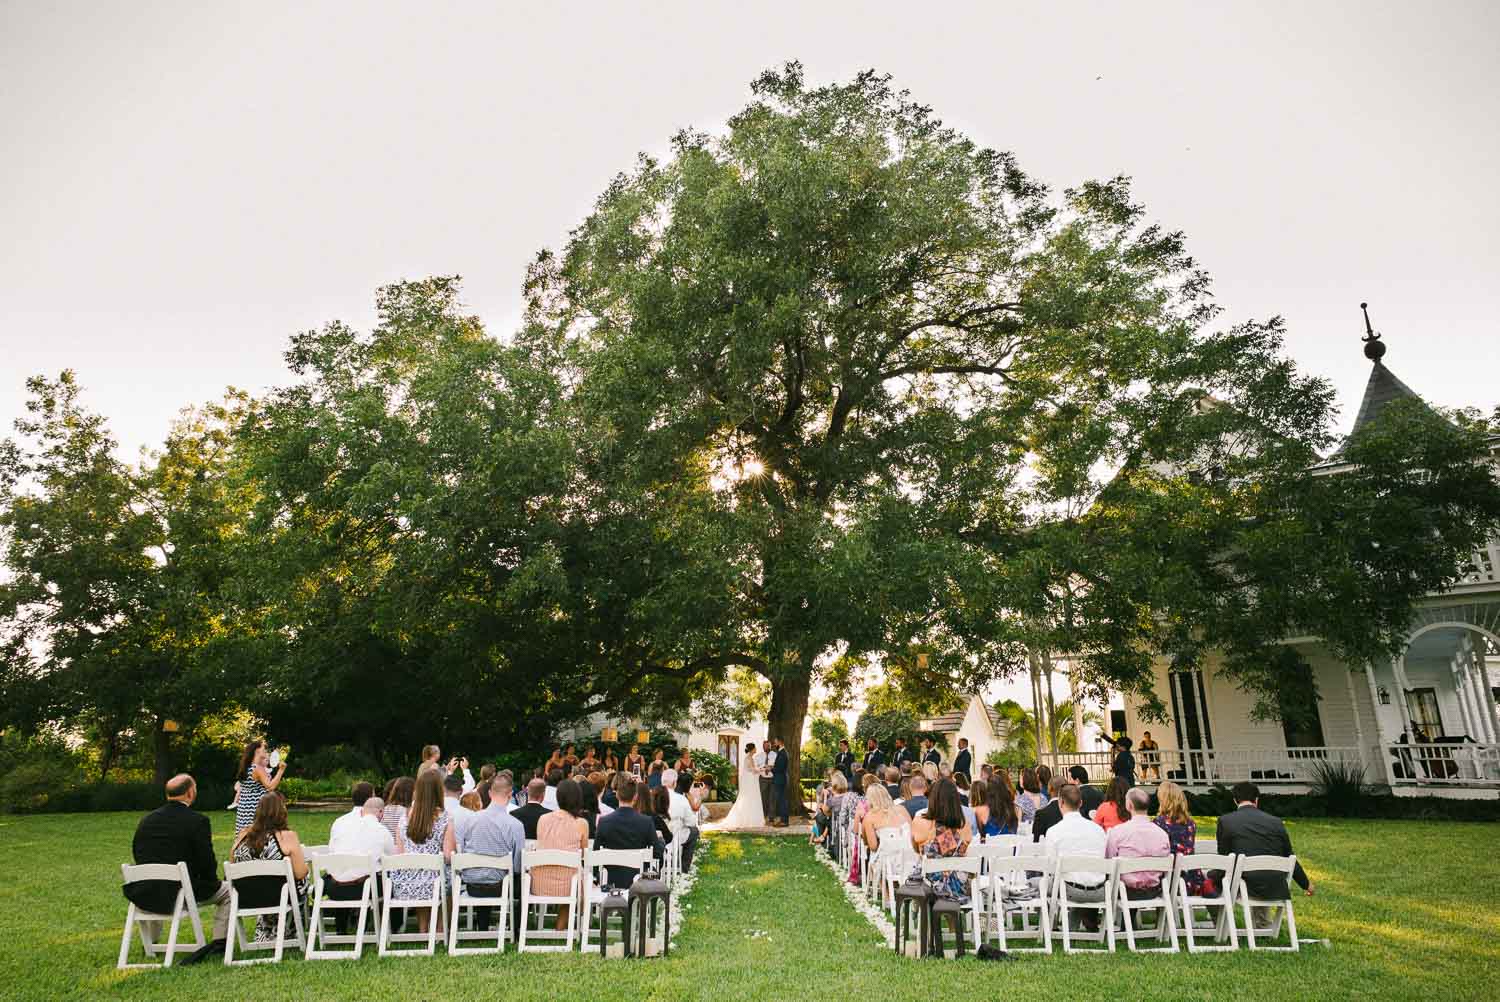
x,y
642,736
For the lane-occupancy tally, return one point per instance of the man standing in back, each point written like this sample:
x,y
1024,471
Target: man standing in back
x,y
963,761
175,833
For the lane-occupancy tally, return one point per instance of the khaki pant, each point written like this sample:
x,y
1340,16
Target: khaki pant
x,y
220,900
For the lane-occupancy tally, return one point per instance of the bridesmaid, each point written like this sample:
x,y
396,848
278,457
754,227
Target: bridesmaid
x,y
255,782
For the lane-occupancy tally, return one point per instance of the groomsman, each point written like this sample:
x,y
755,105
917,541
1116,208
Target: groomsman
x,y
963,761
929,753
763,768
904,755
844,761
874,760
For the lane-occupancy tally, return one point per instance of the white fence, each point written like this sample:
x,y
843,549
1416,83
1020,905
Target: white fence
x,y
1444,764
1209,766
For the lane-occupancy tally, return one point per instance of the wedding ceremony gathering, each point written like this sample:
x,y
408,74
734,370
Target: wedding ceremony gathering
x,y
706,502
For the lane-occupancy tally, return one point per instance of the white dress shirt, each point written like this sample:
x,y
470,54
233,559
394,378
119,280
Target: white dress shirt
x,y
681,811
359,834
1076,835
549,799
760,761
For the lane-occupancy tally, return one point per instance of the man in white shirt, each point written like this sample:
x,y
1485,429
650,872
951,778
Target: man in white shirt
x,y
1076,835
453,787
358,833
549,799
684,811
362,792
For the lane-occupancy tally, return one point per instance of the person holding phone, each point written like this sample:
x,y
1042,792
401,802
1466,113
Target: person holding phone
x,y
256,780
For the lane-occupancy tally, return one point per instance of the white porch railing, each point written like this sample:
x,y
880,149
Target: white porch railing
x,y
1209,766
1444,764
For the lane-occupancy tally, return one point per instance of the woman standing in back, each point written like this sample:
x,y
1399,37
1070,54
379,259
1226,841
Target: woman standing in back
x,y
255,782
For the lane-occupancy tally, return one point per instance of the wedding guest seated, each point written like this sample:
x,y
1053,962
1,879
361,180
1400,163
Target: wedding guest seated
x,y
1113,810
1002,807
397,801
554,778
590,809
986,771
1173,818
611,796
486,775
917,799
268,837
175,833
599,782
893,782
883,813
628,828
928,771
566,829
684,811
494,831
1140,836
943,833
428,832
653,775
358,833
1030,799
1050,814
837,806
1251,831
661,809
458,814
1076,835
1044,781
532,811
1092,795
962,782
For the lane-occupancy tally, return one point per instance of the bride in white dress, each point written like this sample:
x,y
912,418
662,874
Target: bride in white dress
x,y
747,811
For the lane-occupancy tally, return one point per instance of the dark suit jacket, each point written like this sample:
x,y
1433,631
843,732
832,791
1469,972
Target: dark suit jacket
x,y
933,757
174,833
779,768
844,763
1093,797
1252,832
903,756
529,815
627,828
874,760
963,763
894,789
1044,819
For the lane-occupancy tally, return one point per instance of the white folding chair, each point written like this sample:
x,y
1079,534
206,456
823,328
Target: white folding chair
x,y
1159,902
366,908
1091,865
896,859
459,898
138,920
314,850
262,887
1220,927
548,857
990,849
1013,893
1282,907
974,867
673,859
431,902
594,891
1024,828
1206,846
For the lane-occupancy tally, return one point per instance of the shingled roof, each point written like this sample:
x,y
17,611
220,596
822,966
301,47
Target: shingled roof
x,y
953,720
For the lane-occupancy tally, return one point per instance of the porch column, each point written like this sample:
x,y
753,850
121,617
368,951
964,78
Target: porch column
x,y
1479,689
1380,739
1398,667
1359,730
1482,660
1458,671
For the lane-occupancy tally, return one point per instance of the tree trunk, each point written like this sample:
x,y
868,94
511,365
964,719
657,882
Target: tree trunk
x,y
1038,711
1077,709
163,750
789,698
108,752
1052,726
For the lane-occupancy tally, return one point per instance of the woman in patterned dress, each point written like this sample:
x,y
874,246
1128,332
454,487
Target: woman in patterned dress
x,y
255,782
564,829
427,832
1031,799
268,837
1182,833
943,833
397,802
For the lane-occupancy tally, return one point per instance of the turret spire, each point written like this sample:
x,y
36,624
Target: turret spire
x,y
1374,349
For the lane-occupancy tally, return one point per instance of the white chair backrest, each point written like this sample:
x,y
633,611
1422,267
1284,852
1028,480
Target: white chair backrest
x,y
635,859
478,861
551,857
174,872
411,861
1214,861
952,864
257,868
1030,848
350,865
308,851
991,849
1206,847
1164,865
1084,864
1021,864
1265,864
1023,828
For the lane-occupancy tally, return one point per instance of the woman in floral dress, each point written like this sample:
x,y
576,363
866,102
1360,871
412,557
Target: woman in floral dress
x,y
428,832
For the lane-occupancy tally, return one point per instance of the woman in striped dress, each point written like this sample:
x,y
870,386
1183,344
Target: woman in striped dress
x,y
255,782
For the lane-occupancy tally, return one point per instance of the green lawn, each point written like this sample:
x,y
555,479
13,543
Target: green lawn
x,y
1412,910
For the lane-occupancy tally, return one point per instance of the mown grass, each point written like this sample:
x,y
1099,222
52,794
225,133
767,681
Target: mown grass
x,y
1412,910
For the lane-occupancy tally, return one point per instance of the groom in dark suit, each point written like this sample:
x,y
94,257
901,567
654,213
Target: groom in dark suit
x,y
778,785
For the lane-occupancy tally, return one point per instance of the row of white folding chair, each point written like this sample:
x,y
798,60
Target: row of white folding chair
x,y
138,920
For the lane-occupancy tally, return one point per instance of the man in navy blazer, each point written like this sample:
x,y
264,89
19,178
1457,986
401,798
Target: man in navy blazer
x,y
627,828
779,777
963,761
1250,831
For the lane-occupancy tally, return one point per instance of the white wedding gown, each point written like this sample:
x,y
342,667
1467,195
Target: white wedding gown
x,y
747,811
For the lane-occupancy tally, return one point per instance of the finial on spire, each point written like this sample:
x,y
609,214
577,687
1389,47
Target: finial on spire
x,y
1374,349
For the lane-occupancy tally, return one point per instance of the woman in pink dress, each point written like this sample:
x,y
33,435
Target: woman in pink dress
x,y
564,828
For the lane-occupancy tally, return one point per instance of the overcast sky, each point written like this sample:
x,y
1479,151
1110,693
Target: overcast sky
x,y
185,185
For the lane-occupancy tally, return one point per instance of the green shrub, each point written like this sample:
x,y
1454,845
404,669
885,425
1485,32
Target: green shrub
x,y
722,771
33,785
1341,785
